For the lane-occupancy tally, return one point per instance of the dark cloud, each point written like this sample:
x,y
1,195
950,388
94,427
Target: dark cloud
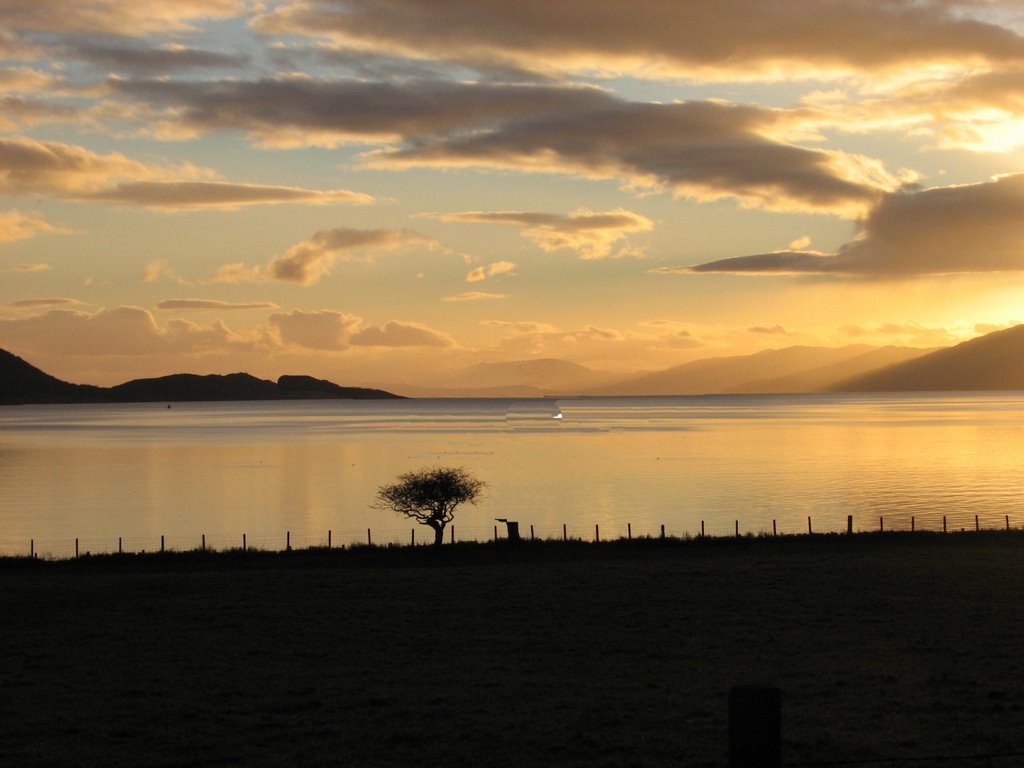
x,y
727,38
139,60
945,230
703,150
294,111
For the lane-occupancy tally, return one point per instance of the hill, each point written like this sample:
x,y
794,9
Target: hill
x,y
23,383
991,362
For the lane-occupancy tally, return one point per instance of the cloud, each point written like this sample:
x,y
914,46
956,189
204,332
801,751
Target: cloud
x,y
592,235
490,270
401,334
728,39
137,18
944,230
519,326
769,330
326,330
217,195
28,166
702,150
474,296
212,304
120,331
35,303
335,331
16,225
148,60
37,267
306,262
299,112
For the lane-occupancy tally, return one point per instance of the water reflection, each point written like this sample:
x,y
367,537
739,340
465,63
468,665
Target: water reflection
x,y
140,471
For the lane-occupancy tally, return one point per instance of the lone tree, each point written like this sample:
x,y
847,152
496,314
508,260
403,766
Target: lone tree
x,y
430,496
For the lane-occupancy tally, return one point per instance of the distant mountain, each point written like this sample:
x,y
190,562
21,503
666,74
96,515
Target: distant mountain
x,y
546,374
21,382
738,373
993,361
822,378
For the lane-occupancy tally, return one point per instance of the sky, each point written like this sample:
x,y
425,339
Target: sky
x,y
383,191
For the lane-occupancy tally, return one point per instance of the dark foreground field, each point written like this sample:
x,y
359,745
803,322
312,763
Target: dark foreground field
x,y
622,654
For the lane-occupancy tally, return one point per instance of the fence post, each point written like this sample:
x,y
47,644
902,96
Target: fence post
x,y
76,548
912,524
564,535
288,541
809,531
597,533
245,548
737,529
453,535
328,538
369,539
977,525
663,530
531,533
119,545
629,530
161,542
204,542
849,524
775,529
702,529
412,534
1007,522
881,523
755,727
495,533
32,548
943,523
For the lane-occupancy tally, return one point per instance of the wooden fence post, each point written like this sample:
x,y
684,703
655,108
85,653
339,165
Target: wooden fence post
x,y
943,523
809,531
849,524
881,523
369,538
328,538
629,531
755,727
287,541
161,542
564,535
737,529
412,534
663,530
1007,522
453,535
204,543
32,548
597,533
495,533
76,548
245,547
977,525
531,533
702,529
912,524
775,529
119,545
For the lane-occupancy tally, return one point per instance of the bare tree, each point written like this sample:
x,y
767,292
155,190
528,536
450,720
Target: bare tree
x,y
430,496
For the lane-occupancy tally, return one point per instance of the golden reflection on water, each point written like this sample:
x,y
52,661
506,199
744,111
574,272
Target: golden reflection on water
x,y
221,470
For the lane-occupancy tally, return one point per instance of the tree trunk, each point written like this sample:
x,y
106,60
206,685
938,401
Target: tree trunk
x,y
438,535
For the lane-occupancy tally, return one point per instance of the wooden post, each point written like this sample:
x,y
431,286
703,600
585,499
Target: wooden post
x,y
119,545
1007,522
702,529
244,547
412,534
809,531
755,727
881,523
288,541
663,530
629,531
849,524
76,549
32,548
204,542
161,543
737,529
328,538
495,533
564,536
912,524
369,538
775,529
943,523
531,533
453,535
977,525
597,533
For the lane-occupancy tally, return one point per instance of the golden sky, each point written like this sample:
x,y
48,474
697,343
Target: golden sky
x,y
381,191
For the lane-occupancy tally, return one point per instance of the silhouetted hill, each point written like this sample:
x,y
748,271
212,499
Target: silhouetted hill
x,y
23,383
993,361
306,387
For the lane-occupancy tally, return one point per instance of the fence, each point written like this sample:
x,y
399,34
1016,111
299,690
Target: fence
x,y
65,548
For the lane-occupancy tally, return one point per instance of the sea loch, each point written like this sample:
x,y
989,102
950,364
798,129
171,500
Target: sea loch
x,y
598,466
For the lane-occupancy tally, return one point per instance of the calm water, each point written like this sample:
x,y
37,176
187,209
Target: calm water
x,y
223,469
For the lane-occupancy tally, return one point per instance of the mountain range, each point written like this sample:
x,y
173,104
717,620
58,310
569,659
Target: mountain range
x,y
994,361
21,382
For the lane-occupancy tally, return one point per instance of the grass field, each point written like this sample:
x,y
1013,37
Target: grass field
x,y
902,646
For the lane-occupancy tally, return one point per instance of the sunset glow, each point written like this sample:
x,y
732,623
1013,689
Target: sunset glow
x,y
387,193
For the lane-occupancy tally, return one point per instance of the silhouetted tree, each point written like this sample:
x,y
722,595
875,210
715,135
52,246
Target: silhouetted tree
x,y
430,496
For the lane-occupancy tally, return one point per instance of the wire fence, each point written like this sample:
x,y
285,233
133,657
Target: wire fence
x,y
67,547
